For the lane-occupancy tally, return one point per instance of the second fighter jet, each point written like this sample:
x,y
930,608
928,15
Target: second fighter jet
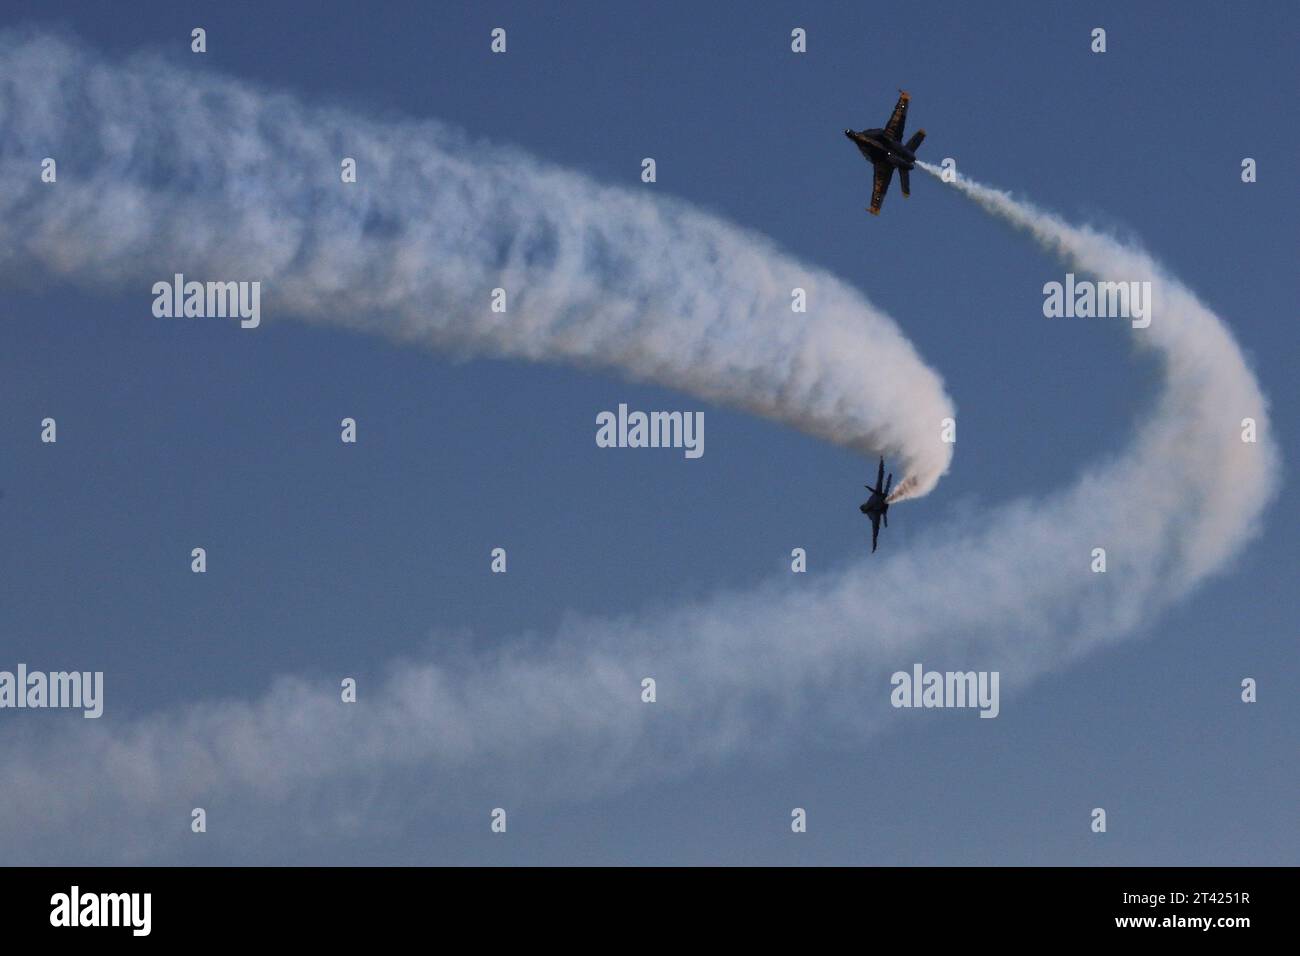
x,y
885,150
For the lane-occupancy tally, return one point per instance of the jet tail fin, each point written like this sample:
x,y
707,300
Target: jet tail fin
x,y
905,181
915,141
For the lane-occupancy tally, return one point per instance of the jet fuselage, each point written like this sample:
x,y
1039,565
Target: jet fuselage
x,y
879,147
876,503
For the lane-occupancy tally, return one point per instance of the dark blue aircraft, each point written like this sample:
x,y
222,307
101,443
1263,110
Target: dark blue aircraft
x,y
885,150
877,506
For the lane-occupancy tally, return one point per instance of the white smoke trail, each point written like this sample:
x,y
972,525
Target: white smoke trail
x,y
737,673
163,170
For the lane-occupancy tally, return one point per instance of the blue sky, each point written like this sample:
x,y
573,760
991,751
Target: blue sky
x,y
326,562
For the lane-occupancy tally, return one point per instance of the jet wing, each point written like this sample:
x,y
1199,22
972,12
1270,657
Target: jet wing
x,y
884,172
896,122
875,529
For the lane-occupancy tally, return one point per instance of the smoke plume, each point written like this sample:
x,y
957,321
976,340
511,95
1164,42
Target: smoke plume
x,y
164,171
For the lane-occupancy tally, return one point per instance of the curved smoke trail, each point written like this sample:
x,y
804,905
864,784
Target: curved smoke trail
x,y
163,170
1013,594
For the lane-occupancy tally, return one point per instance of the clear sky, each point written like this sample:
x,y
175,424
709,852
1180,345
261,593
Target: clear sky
x,y
326,563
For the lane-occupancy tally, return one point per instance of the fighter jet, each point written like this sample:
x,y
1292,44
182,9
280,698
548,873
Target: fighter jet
x,y
885,151
877,506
